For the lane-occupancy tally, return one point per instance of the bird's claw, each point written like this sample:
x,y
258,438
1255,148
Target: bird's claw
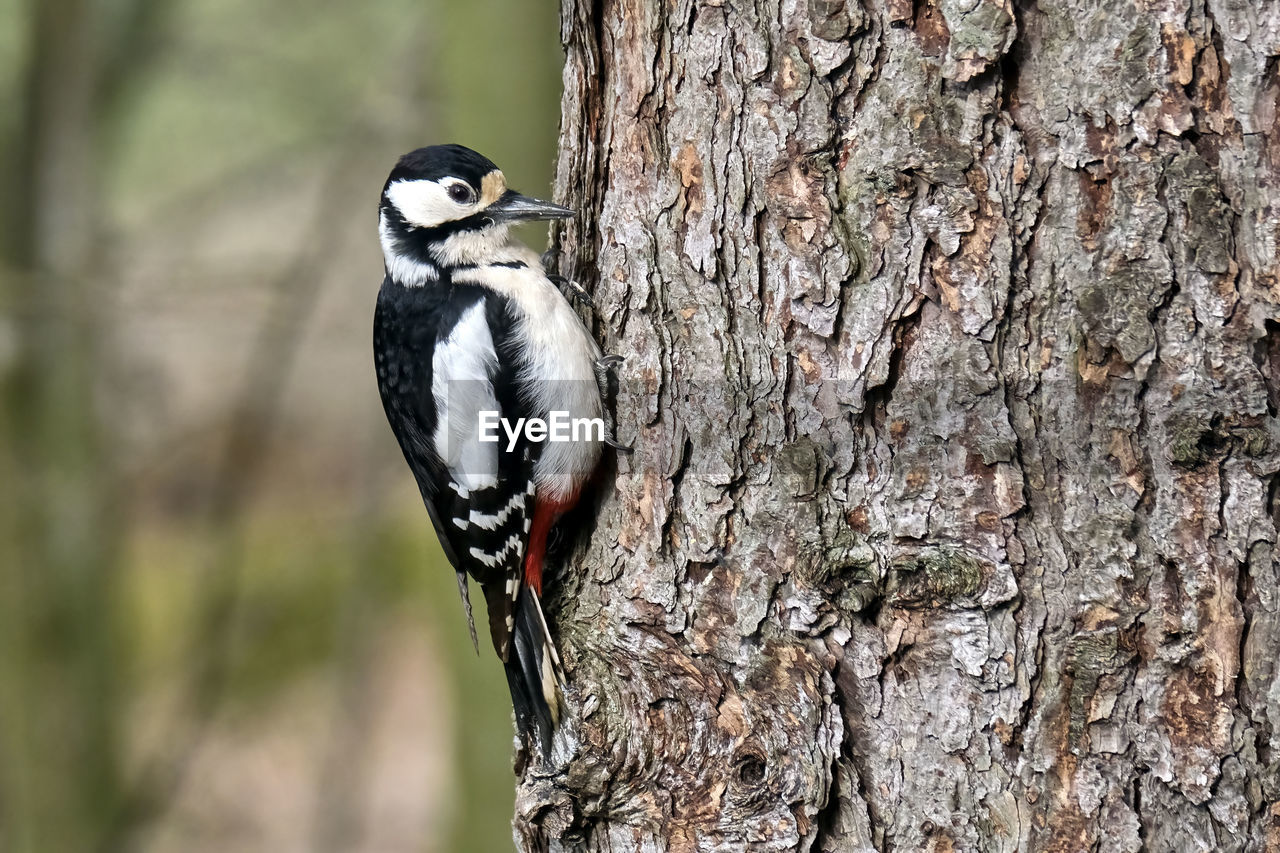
x,y
609,363
625,449
572,290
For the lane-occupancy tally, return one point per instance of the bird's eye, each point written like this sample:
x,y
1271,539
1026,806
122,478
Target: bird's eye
x,y
461,193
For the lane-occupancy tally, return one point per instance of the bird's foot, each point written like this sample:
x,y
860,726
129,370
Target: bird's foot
x,y
625,449
572,290
607,364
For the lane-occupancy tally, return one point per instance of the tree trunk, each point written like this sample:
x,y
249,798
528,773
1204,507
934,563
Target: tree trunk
x,y
952,377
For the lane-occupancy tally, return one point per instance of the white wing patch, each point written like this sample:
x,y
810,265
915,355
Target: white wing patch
x,y
460,369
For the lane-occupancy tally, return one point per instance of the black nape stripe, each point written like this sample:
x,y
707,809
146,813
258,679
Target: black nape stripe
x,y
515,265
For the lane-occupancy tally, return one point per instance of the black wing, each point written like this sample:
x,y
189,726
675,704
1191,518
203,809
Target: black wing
x,y
449,350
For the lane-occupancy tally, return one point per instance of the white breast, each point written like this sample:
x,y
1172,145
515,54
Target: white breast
x,y
561,357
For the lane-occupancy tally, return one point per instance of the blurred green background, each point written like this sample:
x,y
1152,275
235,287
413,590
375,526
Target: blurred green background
x,y
224,621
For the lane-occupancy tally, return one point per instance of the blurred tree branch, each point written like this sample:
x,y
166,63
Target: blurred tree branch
x,y
248,442
139,31
57,653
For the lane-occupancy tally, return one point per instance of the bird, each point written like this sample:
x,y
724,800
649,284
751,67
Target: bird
x,y
470,331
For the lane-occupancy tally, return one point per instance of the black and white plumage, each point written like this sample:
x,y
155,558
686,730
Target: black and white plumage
x,y
468,322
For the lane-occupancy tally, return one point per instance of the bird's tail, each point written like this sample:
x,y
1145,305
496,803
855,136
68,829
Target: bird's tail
x,y
534,673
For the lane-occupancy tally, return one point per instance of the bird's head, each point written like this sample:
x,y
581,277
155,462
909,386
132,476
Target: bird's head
x,y
446,205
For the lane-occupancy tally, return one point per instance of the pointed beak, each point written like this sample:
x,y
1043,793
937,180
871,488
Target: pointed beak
x,y
513,207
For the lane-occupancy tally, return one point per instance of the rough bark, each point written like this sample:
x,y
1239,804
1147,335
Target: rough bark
x,y
952,379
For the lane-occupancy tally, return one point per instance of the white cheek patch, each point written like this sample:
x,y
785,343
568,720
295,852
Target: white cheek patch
x,y
425,204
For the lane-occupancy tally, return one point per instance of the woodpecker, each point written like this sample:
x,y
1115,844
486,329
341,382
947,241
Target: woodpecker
x,y
470,330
